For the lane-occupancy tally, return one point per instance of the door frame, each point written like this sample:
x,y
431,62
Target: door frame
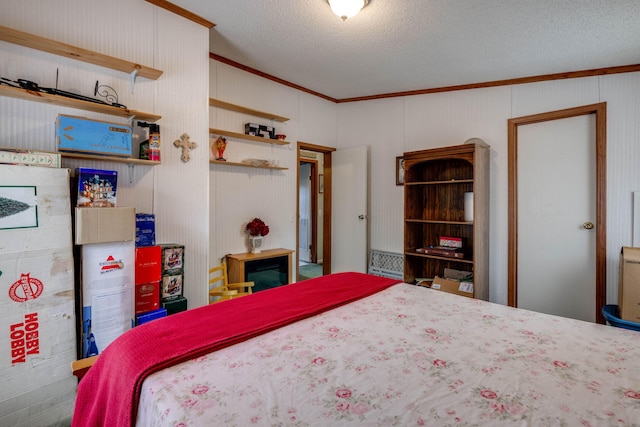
x,y
313,256
326,217
600,111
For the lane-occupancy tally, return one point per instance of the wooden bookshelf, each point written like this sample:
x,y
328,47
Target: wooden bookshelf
x,y
436,181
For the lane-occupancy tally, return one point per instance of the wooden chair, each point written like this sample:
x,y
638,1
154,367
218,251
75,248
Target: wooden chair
x,y
80,367
221,289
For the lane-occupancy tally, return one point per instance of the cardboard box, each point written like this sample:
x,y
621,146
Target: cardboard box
x,y
175,306
97,188
145,229
453,286
172,258
629,288
105,225
18,156
148,264
148,317
83,135
108,271
171,286
37,305
147,297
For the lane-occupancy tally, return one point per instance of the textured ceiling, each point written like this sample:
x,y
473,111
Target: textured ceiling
x,y
405,45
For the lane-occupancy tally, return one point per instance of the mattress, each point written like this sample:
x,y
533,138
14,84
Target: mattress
x,y
407,356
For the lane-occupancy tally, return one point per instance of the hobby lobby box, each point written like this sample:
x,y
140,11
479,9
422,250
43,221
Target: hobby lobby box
x,y
37,306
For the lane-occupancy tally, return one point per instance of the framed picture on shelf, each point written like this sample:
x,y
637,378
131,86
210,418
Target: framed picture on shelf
x,y
400,170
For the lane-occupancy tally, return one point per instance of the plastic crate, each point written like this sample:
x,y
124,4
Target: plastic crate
x,y
611,313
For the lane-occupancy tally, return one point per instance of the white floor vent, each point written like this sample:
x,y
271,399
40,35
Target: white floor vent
x,y
386,264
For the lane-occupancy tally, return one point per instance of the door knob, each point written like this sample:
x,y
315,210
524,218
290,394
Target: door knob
x,y
361,217
588,225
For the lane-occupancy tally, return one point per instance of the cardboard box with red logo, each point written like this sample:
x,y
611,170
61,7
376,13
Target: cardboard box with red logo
x,y
37,304
108,272
147,297
148,264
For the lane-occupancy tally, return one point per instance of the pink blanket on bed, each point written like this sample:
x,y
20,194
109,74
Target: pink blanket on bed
x,y
108,393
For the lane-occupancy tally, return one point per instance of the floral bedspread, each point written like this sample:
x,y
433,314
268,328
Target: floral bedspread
x,y
409,356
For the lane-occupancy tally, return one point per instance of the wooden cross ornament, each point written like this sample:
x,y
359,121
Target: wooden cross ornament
x,y
186,146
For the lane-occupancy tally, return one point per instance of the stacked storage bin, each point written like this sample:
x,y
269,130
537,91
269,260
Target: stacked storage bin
x,y
148,271
172,278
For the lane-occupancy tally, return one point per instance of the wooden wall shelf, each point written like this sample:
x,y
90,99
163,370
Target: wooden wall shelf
x,y
127,160
247,137
16,92
452,181
462,261
62,49
240,109
246,165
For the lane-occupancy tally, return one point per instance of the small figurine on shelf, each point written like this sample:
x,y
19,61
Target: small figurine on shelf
x,y
220,145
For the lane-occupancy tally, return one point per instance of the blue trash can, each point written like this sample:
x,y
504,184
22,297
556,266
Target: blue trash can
x,y
611,313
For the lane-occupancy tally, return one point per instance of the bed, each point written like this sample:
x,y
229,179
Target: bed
x,y
354,349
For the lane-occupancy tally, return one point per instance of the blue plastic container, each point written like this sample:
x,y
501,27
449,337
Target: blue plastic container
x,y
611,313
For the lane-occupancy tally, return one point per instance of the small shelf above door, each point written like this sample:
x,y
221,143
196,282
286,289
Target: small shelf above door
x,y
246,165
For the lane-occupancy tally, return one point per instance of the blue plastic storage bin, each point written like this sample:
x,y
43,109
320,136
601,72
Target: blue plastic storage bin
x,y
611,313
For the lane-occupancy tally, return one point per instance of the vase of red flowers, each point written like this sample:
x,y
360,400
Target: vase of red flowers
x,y
257,229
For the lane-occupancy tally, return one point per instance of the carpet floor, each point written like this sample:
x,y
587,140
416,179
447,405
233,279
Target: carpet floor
x,y
309,271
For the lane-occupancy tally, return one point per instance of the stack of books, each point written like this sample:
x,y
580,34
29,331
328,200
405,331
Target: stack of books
x,y
450,247
445,251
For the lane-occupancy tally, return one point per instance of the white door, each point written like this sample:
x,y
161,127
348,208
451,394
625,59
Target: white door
x,y
304,188
556,166
349,170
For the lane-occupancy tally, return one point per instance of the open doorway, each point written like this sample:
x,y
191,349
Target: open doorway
x,y
309,197
313,211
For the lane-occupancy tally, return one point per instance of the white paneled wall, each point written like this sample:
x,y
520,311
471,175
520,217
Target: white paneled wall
x,y
205,207
175,191
238,194
622,94
393,126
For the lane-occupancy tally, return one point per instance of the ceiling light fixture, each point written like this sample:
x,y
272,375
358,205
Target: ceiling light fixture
x,y
347,8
